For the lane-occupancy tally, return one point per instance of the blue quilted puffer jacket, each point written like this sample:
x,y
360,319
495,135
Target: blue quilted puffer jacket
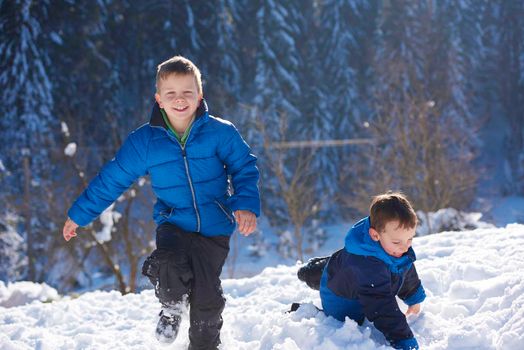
x,y
190,182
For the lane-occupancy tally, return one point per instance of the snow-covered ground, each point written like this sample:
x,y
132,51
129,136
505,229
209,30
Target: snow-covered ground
x,y
473,279
20,293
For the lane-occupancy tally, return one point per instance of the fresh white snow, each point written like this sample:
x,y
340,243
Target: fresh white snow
x,y
70,149
108,218
20,293
473,279
449,219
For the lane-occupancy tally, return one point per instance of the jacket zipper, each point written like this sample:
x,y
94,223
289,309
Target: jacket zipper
x,y
190,182
183,148
225,211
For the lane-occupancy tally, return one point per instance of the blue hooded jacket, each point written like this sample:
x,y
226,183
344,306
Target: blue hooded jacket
x,y
190,181
362,280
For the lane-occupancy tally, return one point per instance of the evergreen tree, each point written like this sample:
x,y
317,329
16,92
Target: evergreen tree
x,y
316,105
228,76
509,48
422,128
344,49
13,260
27,121
277,86
278,61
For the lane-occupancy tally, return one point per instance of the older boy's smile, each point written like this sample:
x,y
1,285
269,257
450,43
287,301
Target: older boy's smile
x,y
179,96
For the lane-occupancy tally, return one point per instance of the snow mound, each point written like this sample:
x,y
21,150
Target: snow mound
x,y
475,300
449,219
20,293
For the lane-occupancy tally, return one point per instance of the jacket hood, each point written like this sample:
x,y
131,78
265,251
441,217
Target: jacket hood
x,y
202,115
359,242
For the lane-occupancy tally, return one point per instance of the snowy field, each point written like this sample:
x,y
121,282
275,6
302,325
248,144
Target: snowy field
x,y
473,279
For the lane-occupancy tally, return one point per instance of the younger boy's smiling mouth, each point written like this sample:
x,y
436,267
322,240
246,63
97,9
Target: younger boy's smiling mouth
x,y
180,109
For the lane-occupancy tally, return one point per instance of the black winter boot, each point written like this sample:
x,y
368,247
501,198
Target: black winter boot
x,y
311,273
168,326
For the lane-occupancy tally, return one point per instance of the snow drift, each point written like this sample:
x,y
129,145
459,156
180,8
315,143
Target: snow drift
x,y
473,279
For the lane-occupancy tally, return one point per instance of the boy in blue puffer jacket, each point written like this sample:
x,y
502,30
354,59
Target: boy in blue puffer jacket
x,y
376,264
189,156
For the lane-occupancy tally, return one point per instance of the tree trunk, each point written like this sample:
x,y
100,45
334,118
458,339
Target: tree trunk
x,y
31,273
298,237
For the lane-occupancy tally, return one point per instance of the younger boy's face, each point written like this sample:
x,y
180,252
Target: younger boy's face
x,y
395,240
178,95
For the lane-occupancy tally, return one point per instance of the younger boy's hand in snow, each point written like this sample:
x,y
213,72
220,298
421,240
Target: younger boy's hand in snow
x,y
413,310
246,221
69,230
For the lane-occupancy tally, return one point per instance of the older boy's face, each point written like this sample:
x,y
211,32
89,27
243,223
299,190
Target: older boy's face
x,y
178,95
394,240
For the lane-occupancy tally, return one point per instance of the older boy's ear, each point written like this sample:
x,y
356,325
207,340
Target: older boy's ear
x,y
157,98
374,234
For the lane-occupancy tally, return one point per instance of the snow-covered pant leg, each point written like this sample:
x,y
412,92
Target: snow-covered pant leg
x,y
169,266
207,300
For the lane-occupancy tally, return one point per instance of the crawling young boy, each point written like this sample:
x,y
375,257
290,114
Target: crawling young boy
x,y
190,156
376,264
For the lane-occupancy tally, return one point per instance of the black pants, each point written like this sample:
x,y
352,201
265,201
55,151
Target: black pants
x,y
187,264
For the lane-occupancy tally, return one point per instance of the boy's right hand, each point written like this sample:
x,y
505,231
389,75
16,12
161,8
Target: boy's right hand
x,y
246,221
413,310
69,230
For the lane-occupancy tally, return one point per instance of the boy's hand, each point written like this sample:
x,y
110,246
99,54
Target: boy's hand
x,y
413,309
69,229
247,221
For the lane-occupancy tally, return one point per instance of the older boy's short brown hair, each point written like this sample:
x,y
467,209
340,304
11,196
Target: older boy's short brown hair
x,y
178,65
391,206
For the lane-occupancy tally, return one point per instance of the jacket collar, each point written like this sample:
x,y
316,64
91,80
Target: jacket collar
x,y
156,119
359,242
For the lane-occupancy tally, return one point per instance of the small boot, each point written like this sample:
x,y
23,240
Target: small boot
x,y
168,326
311,273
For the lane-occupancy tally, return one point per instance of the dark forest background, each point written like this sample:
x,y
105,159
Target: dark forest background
x,y
423,96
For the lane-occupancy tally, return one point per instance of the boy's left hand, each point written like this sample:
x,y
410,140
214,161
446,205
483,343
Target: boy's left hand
x,y
413,309
247,221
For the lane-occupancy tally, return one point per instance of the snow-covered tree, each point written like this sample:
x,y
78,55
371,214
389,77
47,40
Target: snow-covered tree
x,y
289,179
318,114
278,61
425,140
342,66
344,46
505,46
27,121
277,87
219,59
13,261
25,88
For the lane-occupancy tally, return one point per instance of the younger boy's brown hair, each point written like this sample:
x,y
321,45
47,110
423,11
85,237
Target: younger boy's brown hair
x,y
391,206
178,65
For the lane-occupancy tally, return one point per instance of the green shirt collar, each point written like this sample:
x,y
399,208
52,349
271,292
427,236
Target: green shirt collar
x,y
182,139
